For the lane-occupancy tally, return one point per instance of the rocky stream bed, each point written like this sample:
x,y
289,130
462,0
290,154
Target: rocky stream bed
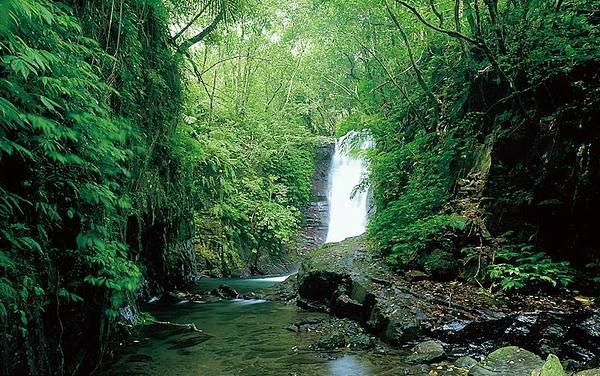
x,y
444,327
344,313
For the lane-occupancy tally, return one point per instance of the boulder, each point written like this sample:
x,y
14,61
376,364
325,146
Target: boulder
x,y
466,362
510,360
345,306
552,367
402,326
225,292
426,352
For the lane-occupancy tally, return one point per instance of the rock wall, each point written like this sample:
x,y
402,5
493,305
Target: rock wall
x,y
316,215
316,220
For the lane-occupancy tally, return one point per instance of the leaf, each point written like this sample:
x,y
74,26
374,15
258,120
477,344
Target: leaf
x,y
3,313
50,104
584,300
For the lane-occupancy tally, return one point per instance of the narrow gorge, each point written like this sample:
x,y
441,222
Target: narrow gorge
x,y
300,187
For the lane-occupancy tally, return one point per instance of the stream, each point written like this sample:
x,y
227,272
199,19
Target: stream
x,y
249,337
243,337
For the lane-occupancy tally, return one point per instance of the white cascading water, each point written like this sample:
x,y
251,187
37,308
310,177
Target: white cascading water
x,y
347,213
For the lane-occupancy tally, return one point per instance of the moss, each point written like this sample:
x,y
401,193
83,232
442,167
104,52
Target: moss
x,y
552,367
441,264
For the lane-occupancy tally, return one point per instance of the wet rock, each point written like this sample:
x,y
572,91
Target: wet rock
x,y
593,363
377,321
465,362
590,328
552,367
428,347
171,297
312,305
452,329
225,292
345,306
589,372
426,352
318,287
361,342
402,326
510,360
331,341
522,325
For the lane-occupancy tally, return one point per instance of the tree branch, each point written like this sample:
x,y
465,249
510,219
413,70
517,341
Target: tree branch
x,y
392,79
191,22
434,101
437,14
202,34
451,33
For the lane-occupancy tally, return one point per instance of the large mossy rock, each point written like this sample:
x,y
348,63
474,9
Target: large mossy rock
x,y
552,367
508,361
338,279
426,352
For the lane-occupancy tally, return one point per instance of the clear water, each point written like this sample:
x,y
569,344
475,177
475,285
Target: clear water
x,y
347,213
248,337
239,337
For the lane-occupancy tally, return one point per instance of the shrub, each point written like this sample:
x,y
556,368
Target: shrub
x,y
520,267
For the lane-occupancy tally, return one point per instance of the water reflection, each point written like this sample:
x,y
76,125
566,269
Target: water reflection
x,y
239,337
347,366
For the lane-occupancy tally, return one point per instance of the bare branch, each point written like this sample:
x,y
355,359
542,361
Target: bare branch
x,y
437,14
451,33
434,101
392,79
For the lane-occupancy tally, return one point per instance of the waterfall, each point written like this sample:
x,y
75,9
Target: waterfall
x,y
347,214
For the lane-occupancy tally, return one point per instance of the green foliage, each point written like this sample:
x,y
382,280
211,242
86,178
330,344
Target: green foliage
x,y
466,104
248,138
68,137
68,145
519,266
101,173
411,184
412,242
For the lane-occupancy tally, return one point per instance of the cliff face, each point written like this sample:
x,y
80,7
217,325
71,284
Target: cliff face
x,y
316,215
316,219
545,175
311,235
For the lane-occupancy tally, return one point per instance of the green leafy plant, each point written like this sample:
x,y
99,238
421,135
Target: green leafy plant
x,y
519,266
